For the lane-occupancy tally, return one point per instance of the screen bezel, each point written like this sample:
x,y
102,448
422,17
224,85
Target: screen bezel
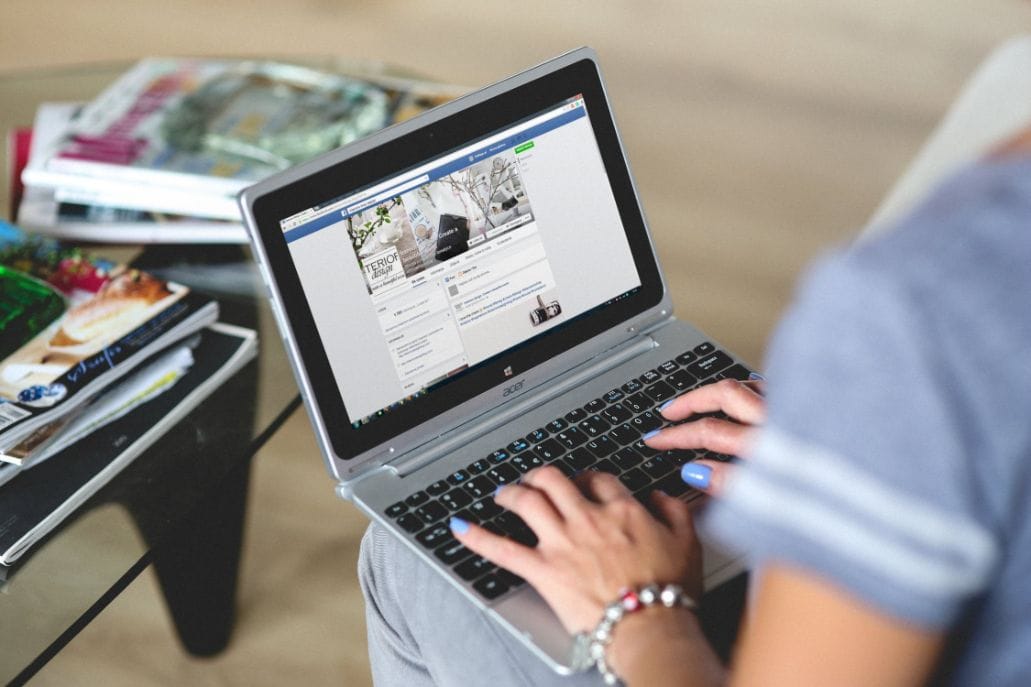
x,y
413,145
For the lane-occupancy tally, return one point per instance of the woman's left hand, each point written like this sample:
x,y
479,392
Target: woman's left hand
x,y
595,540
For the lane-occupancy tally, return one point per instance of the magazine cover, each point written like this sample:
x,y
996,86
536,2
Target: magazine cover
x,y
72,323
198,131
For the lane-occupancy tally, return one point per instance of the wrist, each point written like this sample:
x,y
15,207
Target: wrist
x,y
645,639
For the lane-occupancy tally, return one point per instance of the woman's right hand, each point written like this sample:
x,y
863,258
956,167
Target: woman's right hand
x,y
745,408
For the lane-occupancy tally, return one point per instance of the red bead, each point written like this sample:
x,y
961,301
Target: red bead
x,y
630,601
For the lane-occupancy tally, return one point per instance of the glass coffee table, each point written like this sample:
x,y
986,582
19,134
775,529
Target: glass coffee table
x,y
180,505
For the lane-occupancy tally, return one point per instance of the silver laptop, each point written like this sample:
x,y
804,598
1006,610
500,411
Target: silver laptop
x,y
471,294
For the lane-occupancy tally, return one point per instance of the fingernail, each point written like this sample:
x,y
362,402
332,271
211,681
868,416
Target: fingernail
x,y
649,435
667,404
756,377
498,490
458,525
696,475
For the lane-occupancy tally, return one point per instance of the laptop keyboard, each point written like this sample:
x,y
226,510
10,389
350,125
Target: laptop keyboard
x,y
603,435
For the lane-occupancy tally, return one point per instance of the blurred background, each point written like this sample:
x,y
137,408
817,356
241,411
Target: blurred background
x,y
760,133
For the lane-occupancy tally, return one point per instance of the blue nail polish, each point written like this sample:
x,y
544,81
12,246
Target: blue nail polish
x,y
756,377
498,490
667,404
696,475
651,434
458,525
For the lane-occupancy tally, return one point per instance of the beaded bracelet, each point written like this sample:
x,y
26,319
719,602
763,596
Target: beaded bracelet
x,y
591,645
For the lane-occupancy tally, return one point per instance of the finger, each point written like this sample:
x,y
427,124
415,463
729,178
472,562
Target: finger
x,y
602,487
739,400
560,490
673,512
533,506
707,475
721,436
505,552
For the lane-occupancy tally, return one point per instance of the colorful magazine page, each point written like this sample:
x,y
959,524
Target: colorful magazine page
x,y
71,324
41,497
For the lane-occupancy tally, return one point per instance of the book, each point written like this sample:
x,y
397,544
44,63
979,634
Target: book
x,y
41,211
43,495
73,324
185,135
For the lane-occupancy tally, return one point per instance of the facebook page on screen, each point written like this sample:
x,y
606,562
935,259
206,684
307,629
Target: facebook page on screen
x,y
423,276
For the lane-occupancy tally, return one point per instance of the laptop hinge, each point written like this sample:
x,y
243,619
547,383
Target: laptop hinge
x,y
425,454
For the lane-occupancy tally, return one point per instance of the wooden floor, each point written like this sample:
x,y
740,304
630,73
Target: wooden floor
x,y
760,133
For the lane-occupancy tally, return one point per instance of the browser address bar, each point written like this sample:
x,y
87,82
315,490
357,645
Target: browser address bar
x,y
389,193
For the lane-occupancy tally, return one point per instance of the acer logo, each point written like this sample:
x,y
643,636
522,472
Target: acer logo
x,y
514,388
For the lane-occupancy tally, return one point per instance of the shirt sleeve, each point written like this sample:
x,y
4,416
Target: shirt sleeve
x,y
863,473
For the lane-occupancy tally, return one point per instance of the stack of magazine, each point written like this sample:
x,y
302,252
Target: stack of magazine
x,y
84,344
160,155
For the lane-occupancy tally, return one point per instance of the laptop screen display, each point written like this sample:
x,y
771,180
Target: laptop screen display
x,y
418,278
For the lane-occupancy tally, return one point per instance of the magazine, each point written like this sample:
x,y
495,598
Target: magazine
x,y
72,324
185,135
44,495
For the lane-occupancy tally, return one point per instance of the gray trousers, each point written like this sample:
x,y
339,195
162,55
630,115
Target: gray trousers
x,y
422,632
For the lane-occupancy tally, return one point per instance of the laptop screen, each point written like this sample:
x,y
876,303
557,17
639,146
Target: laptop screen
x,y
461,258
440,267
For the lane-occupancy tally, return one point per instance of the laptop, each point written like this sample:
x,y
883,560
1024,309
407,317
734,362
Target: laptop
x,y
471,294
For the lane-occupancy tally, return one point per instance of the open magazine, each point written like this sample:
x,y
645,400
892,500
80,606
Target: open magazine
x,y
185,135
42,496
72,324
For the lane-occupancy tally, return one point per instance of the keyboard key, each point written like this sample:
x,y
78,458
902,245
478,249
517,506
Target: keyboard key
x,y
602,446
410,523
579,459
737,371
437,488
525,462
478,466
686,358
668,367
680,456
417,499
594,426
564,468
435,536
575,415
556,425
459,498
627,458
595,405
396,509
646,422
518,445
614,396
570,438
504,474
710,364
480,486
681,380
649,377
624,434
637,403
452,552
549,450
704,349
616,414
458,477
538,435
490,587
431,512
632,387
606,465
485,509
672,485
660,392
499,456
657,467
644,449
510,578
474,567
634,479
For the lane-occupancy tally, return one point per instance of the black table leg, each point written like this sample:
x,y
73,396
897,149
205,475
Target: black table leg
x,y
198,567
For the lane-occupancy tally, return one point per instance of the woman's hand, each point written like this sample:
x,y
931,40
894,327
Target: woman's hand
x,y
743,405
595,540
